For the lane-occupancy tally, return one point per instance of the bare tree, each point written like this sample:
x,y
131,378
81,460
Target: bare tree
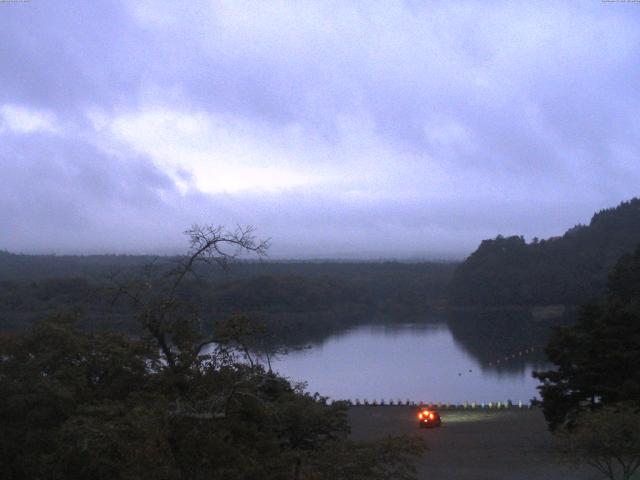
x,y
174,323
175,326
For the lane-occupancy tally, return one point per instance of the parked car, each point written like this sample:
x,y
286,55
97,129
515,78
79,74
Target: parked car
x,y
429,418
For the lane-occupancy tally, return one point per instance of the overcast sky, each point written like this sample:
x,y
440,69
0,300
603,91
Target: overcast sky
x,y
339,129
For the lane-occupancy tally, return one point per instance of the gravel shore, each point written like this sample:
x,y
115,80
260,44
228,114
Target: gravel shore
x,y
474,445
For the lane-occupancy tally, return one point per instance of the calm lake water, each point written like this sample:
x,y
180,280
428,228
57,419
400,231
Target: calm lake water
x,y
420,362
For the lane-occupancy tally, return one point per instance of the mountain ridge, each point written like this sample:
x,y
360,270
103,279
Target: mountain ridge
x,y
571,269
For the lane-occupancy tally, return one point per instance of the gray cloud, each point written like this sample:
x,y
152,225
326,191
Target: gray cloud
x,y
393,128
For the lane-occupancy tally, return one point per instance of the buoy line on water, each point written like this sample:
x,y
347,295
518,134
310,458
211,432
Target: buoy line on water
x,y
503,360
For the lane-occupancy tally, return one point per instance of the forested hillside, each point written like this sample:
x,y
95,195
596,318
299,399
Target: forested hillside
x,y
571,269
307,295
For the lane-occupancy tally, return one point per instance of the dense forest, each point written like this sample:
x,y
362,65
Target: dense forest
x,y
570,270
596,359
300,295
312,296
177,401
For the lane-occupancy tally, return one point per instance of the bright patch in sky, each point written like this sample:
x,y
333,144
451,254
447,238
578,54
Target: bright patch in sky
x,y
211,153
19,119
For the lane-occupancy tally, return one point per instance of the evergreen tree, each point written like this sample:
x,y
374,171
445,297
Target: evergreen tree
x,y
597,359
569,270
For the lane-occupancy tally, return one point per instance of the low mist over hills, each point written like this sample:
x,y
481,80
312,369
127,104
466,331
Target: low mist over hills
x,y
571,269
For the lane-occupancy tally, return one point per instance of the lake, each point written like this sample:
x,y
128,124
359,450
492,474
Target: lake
x,y
427,362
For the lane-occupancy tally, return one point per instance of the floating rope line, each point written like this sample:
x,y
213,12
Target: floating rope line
x,y
513,356
508,358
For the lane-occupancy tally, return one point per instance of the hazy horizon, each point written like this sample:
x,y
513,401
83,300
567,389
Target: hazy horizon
x,y
364,130
326,256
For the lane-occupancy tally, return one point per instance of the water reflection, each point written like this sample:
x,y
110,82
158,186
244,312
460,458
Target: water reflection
x,y
502,341
431,361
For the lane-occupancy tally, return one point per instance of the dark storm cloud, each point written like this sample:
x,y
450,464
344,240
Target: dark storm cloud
x,y
394,128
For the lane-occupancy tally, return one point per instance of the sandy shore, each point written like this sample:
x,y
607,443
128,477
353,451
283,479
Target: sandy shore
x,y
473,445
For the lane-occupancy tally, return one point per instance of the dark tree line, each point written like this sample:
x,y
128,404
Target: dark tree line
x,y
597,360
571,269
591,399
286,295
